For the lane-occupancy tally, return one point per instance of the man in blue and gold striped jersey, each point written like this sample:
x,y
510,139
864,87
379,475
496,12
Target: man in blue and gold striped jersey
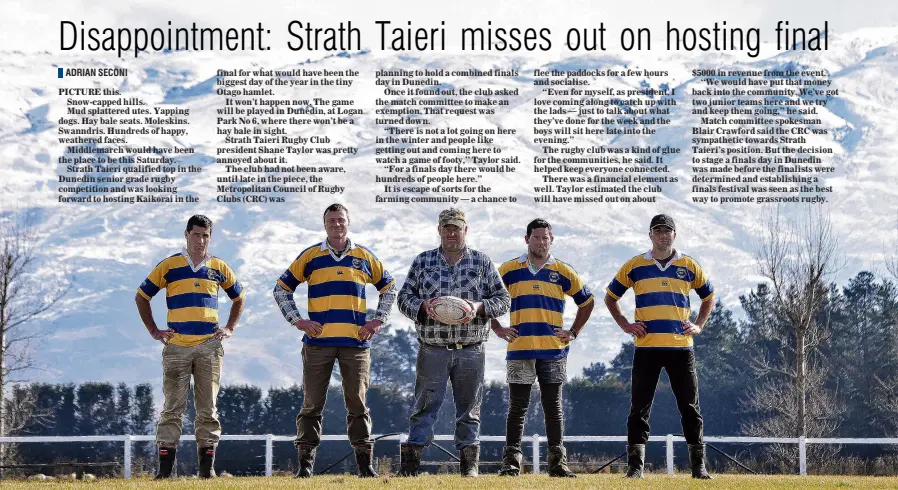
x,y
191,280
538,343
336,271
661,280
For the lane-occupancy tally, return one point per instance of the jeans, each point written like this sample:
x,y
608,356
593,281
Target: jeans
x,y
179,363
464,368
317,366
680,366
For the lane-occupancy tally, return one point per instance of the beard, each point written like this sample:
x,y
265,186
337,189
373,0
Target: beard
x,y
453,246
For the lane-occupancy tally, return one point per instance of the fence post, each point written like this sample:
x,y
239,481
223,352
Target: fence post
x,y
402,438
802,456
670,461
127,469
269,453
535,454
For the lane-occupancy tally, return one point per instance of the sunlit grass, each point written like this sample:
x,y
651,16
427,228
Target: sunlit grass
x,y
491,482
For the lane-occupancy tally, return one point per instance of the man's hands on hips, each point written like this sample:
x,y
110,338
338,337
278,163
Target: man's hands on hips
x,y
507,334
635,328
162,335
223,333
690,328
310,328
369,329
564,335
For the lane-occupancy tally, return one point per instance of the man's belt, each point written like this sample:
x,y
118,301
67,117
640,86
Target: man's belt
x,y
460,346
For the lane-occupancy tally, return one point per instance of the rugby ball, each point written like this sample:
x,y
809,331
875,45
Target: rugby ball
x,y
451,310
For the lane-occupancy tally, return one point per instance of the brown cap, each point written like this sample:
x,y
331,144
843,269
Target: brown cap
x,y
452,216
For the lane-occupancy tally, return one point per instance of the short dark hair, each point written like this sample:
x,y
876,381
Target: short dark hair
x,y
199,220
537,223
335,207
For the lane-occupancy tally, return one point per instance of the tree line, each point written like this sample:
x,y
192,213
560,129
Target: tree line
x,y
749,380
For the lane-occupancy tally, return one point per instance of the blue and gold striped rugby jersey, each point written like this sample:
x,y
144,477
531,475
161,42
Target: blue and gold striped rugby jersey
x,y
537,306
662,297
336,290
191,295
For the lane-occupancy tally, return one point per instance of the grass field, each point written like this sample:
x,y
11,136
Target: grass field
x,y
485,482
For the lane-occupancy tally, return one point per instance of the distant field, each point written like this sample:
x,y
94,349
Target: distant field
x,y
486,482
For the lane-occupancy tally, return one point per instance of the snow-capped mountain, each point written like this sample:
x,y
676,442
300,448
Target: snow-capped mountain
x,y
96,334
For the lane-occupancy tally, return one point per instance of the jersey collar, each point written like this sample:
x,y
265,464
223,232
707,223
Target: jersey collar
x,y
523,259
677,256
326,246
194,268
